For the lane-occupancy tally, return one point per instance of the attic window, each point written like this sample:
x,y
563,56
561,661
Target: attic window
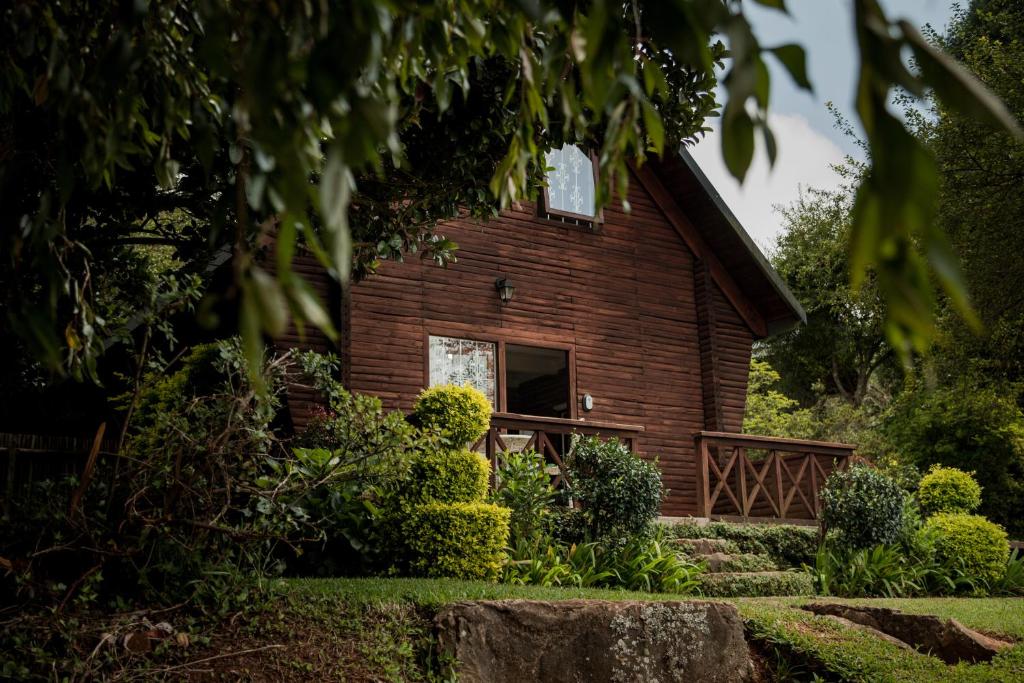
x,y
570,184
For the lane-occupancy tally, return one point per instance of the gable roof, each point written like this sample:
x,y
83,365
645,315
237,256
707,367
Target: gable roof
x,y
730,243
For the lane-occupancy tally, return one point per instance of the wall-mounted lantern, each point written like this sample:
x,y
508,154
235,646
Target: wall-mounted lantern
x,y
506,290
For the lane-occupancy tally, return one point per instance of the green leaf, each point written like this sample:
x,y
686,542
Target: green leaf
x,y
271,306
310,307
738,143
794,59
335,189
654,126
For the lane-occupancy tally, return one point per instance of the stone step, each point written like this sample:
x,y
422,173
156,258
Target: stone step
x,y
756,584
707,546
745,562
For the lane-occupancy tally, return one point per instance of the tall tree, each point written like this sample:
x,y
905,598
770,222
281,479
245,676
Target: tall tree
x,y
842,346
981,207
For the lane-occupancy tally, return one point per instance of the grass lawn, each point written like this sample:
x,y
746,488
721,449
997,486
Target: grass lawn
x,y
803,644
381,630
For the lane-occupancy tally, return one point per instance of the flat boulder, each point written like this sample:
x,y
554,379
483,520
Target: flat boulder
x,y
594,640
947,639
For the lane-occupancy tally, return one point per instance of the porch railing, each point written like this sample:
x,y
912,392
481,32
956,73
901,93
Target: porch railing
x,y
546,436
781,479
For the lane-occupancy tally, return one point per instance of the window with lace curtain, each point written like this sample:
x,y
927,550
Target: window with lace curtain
x,y
464,361
571,183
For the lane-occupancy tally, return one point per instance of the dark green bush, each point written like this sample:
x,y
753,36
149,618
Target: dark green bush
x,y
359,453
975,429
196,504
461,414
618,493
947,489
447,476
457,540
980,546
862,507
788,545
524,487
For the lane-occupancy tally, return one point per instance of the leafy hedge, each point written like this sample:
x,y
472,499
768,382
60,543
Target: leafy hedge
x,y
947,489
457,540
979,545
974,429
786,544
863,507
618,493
461,414
448,476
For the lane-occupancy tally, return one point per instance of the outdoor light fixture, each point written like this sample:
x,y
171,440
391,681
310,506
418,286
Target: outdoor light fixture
x,y
505,289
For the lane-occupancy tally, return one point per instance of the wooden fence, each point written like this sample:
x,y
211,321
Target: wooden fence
x,y
757,477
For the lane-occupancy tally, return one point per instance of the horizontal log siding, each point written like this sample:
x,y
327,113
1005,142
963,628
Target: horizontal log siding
x,y
623,297
733,341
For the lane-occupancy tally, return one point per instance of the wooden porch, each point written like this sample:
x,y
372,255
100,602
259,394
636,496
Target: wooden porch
x,y
547,436
742,477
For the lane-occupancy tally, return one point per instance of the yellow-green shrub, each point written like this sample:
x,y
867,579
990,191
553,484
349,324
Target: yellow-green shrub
x,y
462,414
979,545
947,489
457,540
448,477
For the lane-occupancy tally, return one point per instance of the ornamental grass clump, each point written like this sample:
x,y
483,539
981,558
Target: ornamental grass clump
x,y
947,489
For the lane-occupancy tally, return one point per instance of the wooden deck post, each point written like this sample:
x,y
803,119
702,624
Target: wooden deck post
x,y
703,485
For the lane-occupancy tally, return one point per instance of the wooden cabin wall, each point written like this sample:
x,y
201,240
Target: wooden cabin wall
x,y
623,297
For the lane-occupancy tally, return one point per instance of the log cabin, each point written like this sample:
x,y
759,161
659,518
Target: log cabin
x,y
632,324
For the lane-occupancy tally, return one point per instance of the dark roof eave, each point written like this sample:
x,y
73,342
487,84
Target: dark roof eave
x,y
776,326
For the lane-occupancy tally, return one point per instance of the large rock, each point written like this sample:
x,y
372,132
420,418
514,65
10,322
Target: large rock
x,y
594,640
947,639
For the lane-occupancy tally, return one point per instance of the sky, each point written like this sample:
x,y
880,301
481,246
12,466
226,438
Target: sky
x,y
807,142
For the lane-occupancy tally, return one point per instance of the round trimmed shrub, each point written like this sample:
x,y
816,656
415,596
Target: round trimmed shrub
x,y
947,489
456,540
448,477
863,507
619,492
462,414
979,545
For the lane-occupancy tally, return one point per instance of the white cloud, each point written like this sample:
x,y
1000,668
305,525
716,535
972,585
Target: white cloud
x,y
804,158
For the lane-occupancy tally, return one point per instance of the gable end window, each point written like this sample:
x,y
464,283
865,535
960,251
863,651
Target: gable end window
x,y
571,183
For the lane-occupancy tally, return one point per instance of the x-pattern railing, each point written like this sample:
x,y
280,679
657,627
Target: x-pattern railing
x,y
542,429
785,483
